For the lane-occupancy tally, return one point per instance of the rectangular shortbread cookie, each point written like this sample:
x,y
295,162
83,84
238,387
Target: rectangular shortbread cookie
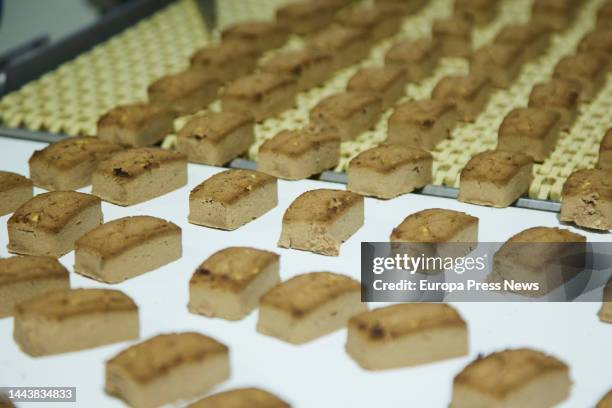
x,y
469,93
299,154
15,190
216,138
321,220
421,124
305,16
137,175
533,38
519,378
588,69
309,66
127,247
454,36
500,63
309,306
167,368
136,125
495,178
69,163
232,198
231,281
586,199
388,82
405,335
481,12
185,92
260,95
50,223
534,131
265,35
379,21
387,171
347,113
347,45
227,60
74,319
559,95
24,277
555,14
418,58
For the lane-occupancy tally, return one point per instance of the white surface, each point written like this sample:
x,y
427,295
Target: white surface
x,y
318,374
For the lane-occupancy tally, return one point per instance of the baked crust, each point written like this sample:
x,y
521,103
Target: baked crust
x,y
546,235
521,33
241,397
229,186
295,143
214,126
233,268
51,211
69,152
146,361
306,16
496,55
294,62
598,40
9,181
30,268
408,51
304,293
432,225
375,79
387,324
130,164
132,116
174,89
321,206
455,27
343,105
502,373
256,86
588,182
369,17
388,158
423,113
64,304
336,37
532,123
117,236
226,52
583,66
606,401
452,88
495,166
557,93
264,34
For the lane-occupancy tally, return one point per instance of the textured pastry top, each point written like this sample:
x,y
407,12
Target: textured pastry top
x,y
223,53
392,322
459,87
303,9
214,126
255,86
432,225
411,51
158,355
388,158
533,123
585,66
498,55
131,163
558,93
546,235
63,304
475,4
305,293
294,62
343,105
452,27
589,182
51,211
336,38
606,142
554,6
241,398
375,79
133,116
367,17
182,84
123,234
29,268
233,268
295,143
496,166
253,30
73,151
606,401
597,40
229,186
504,372
422,113
521,33
9,181
321,206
